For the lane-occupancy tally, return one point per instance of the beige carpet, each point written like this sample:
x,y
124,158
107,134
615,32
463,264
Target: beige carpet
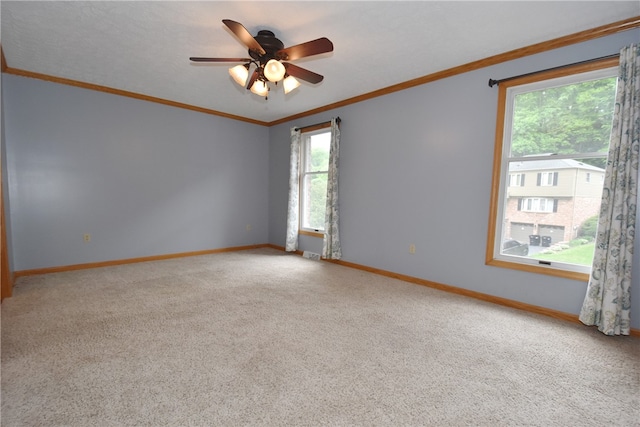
x,y
263,338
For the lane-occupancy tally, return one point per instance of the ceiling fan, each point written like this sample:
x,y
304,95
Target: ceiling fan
x,y
270,57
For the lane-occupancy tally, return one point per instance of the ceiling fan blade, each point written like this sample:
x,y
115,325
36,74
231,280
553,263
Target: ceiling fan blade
x,y
200,59
302,73
252,79
245,37
314,47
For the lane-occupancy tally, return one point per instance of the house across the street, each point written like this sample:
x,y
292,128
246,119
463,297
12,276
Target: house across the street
x,y
548,200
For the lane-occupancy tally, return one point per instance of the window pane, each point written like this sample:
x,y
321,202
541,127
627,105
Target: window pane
x,y
554,217
315,165
569,119
318,155
314,202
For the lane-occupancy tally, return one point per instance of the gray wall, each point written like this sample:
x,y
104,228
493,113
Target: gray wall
x,y
142,178
416,169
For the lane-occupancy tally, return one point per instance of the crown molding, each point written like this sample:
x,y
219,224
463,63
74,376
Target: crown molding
x,y
106,89
582,36
579,37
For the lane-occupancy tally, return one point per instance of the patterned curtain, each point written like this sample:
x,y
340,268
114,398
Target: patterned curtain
x,y
331,243
607,303
291,244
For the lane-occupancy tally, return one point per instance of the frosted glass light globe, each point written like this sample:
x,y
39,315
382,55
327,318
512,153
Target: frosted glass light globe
x,y
260,88
274,70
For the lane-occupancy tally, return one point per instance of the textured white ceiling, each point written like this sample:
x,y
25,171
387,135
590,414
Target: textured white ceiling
x,y
144,47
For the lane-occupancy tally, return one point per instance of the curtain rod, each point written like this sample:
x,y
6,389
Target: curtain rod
x,y
493,82
338,120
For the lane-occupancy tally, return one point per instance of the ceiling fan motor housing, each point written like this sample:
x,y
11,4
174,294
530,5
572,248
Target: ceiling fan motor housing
x,y
269,43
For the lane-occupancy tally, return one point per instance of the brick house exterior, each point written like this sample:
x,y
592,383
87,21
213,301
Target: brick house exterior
x,y
550,199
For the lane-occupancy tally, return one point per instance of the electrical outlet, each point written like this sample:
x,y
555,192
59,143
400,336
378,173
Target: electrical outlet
x,y
248,227
412,248
87,237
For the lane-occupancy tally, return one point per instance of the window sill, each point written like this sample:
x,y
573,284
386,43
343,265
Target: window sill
x,y
574,275
319,234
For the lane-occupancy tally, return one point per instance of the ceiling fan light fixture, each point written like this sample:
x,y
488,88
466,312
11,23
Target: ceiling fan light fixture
x,y
289,84
266,53
274,70
240,74
260,88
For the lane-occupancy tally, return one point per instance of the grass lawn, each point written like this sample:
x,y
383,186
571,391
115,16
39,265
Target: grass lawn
x,y
582,255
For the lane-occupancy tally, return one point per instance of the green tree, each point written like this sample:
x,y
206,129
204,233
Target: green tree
x,y
588,228
318,192
568,119
318,185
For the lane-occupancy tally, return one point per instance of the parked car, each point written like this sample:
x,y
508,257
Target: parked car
x,y
513,247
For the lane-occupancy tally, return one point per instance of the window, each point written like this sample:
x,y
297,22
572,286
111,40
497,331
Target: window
x,y
538,205
516,180
547,179
556,128
314,165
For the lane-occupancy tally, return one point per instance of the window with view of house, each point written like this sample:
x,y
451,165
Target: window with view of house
x,y
551,150
314,166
